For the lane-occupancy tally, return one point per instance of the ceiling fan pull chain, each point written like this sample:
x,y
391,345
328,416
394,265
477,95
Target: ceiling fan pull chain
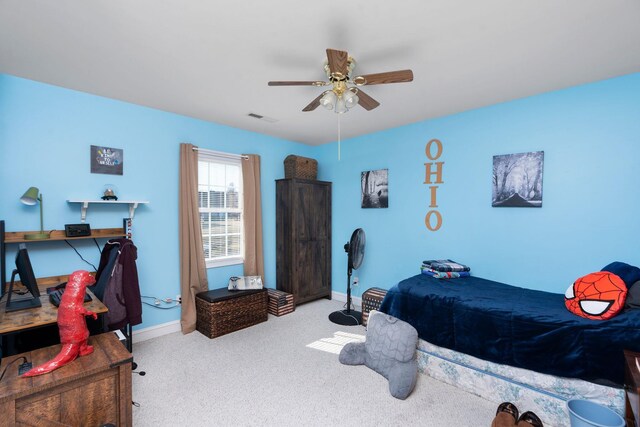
x,y
338,137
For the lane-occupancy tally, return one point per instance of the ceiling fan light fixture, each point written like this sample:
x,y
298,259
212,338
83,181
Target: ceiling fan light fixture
x,y
350,99
328,100
345,92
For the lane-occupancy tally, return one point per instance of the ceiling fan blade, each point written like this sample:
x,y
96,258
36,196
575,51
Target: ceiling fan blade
x,y
314,104
367,102
399,76
296,83
337,61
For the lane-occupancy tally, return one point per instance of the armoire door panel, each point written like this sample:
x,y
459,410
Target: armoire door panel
x,y
311,272
320,203
302,272
303,217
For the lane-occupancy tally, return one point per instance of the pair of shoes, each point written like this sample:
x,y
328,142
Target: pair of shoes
x,y
506,415
529,419
509,408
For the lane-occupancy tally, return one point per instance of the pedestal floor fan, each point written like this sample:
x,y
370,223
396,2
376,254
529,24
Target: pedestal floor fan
x,y
355,254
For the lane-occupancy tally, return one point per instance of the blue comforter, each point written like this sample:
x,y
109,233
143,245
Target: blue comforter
x,y
515,326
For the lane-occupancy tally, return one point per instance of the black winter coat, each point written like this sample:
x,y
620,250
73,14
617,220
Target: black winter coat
x,y
122,294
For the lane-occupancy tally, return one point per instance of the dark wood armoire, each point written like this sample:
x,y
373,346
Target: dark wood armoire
x,y
303,238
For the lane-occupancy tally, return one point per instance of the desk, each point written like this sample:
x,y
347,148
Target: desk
x,y
17,321
90,391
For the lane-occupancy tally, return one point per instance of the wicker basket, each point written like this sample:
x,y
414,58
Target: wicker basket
x,y
371,300
221,311
280,302
300,167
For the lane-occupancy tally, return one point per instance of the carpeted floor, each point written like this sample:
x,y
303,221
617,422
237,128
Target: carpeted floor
x,y
284,372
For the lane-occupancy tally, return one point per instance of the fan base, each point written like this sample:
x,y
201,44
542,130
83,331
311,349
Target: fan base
x,y
346,317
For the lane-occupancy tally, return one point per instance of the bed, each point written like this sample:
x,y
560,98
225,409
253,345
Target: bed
x,y
472,327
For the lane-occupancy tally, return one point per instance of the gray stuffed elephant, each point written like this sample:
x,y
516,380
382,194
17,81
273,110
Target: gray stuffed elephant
x,y
389,350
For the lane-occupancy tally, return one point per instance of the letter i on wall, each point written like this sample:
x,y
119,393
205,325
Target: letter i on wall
x,y
433,175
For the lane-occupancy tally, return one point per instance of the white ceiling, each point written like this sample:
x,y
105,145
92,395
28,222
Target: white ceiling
x,y
212,59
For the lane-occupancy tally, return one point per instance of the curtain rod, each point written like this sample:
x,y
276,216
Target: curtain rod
x,y
221,154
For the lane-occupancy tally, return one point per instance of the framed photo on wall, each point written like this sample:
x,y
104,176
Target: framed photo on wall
x,y
106,160
375,188
517,180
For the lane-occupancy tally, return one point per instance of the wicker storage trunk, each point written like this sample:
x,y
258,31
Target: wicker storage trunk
x,y
221,311
280,303
371,300
300,167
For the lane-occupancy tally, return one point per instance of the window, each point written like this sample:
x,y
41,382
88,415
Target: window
x,y
220,204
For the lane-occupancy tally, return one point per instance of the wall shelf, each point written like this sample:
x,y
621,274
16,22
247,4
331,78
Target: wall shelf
x,y
133,204
56,235
8,237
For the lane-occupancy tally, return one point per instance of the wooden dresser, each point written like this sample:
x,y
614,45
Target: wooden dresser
x,y
303,238
90,391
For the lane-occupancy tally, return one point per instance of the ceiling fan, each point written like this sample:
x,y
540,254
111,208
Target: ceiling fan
x,y
346,91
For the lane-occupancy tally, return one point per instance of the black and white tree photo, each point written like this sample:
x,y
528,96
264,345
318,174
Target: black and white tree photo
x,y
517,180
375,188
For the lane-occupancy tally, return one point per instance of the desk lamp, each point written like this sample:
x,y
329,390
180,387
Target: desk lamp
x,y
30,198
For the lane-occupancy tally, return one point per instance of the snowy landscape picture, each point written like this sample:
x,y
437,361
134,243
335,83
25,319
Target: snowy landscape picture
x,y
517,180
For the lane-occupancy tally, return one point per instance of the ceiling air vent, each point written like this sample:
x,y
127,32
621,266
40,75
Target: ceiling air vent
x,y
261,117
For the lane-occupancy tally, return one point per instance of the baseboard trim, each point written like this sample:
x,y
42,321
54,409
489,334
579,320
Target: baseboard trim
x,y
145,334
140,335
339,296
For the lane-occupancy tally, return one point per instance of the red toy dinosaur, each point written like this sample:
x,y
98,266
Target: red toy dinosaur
x,y
73,327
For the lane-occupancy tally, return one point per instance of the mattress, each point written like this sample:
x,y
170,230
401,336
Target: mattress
x,y
519,327
546,395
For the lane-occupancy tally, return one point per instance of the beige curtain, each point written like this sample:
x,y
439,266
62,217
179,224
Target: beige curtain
x,y
193,272
253,256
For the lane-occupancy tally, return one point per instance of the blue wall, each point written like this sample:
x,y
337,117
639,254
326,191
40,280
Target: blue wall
x,y
45,134
590,136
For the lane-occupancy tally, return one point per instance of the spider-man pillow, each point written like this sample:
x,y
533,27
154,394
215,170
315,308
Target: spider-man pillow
x,y
597,296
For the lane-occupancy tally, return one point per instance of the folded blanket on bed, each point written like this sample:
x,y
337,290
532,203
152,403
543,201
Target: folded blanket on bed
x,y
445,265
445,274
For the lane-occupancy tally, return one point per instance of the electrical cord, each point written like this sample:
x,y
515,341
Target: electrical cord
x,y
160,308
24,360
99,248
157,301
351,316
72,247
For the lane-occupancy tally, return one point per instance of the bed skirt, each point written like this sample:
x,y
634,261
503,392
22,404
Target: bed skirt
x,y
546,395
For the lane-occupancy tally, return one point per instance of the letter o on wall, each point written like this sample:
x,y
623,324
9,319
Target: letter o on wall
x,y
427,149
427,220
